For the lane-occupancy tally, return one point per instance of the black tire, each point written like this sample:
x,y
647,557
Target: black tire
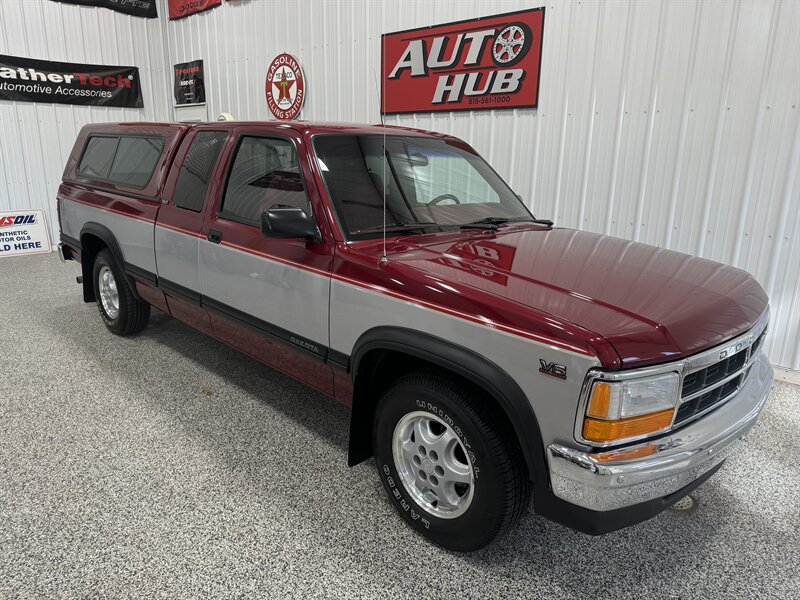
x,y
501,489
132,315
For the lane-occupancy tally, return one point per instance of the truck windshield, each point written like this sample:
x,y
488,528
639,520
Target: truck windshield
x,y
430,184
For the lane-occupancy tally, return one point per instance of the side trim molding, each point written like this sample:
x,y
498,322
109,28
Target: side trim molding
x,y
302,344
181,292
71,241
141,274
338,360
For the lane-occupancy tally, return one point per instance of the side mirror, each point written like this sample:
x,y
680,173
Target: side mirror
x,y
289,222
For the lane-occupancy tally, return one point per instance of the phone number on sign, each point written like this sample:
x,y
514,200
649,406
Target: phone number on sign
x,y
490,100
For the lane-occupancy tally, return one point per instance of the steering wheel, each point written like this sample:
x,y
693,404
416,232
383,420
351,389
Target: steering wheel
x,y
441,197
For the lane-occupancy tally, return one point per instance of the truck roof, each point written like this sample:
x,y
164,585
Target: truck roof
x,y
304,127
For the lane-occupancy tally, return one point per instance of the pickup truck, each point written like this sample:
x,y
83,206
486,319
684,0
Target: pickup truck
x,y
489,357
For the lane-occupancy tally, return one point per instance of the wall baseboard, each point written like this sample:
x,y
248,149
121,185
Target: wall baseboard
x,y
787,375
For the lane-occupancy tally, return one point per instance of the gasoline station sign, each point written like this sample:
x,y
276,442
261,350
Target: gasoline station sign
x,y
285,88
487,63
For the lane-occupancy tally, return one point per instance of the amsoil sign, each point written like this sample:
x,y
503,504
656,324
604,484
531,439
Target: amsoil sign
x,y
31,80
285,88
486,63
23,232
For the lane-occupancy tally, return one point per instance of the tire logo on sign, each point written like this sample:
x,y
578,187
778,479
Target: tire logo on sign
x,y
285,87
511,44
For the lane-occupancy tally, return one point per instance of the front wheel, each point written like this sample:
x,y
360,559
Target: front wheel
x,y
450,464
121,312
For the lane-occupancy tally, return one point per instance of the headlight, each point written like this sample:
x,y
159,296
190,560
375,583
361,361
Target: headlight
x,y
619,411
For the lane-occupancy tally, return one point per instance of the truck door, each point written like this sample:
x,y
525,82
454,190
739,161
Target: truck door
x,y
268,296
180,224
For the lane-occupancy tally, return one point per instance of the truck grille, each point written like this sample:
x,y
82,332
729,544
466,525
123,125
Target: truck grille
x,y
710,386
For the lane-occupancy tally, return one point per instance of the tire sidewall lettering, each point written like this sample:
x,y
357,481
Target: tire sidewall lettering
x,y
442,414
401,499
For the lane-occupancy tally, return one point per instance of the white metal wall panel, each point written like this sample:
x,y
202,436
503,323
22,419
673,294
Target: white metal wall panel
x,y
36,138
673,123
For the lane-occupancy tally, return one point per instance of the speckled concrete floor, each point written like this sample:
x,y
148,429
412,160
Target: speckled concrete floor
x,y
168,465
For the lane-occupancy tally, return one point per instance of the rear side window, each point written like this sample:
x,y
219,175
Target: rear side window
x,y
97,157
265,174
126,160
190,188
135,160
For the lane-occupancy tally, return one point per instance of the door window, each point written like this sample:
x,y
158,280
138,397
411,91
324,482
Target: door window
x,y
265,174
190,189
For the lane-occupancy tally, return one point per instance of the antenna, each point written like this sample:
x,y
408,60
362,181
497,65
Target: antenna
x,y
381,109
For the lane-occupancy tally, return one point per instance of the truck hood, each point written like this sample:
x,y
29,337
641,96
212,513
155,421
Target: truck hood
x,y
649,303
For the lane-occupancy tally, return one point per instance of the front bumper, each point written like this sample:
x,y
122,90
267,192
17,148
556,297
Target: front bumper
x,y
677,465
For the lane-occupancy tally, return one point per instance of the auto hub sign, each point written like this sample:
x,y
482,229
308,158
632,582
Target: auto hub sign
x,y
486,63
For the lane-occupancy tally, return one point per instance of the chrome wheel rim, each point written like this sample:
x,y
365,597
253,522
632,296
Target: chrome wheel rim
x,y
433,465
109,297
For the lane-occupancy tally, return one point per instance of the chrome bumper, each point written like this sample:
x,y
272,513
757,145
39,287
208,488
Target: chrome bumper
x,y
679,458
61,255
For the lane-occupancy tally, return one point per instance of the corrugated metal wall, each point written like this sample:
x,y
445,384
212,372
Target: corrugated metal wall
x,y
36,139
673,123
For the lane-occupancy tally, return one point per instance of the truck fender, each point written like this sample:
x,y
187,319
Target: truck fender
x,y
109,239
457,359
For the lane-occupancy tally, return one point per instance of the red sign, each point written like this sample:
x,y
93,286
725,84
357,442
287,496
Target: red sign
x,y
183,8
486,63
286,87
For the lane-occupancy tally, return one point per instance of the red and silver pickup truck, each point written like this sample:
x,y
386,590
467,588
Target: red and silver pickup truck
x,y
489,357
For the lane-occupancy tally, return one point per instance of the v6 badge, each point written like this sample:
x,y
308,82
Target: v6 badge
x,y
552,369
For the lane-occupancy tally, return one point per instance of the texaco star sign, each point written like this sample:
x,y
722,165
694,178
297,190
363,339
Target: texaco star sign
x,y
285,87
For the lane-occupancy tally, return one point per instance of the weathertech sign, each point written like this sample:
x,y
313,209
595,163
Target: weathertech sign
x,y
285,88
486,63
30,80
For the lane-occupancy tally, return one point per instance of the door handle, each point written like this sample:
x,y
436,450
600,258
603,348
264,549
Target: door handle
x,y
214,236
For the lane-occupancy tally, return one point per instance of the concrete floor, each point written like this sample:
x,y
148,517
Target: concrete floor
x,y
168,465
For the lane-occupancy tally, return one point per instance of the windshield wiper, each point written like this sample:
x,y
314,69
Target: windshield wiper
x,y
495,222
397,226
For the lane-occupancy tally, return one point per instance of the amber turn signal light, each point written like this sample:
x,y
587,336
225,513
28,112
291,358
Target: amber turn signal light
x,y
595,430
600,401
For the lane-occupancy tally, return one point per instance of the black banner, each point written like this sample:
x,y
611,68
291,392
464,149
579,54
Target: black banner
x,y
189,83
30,80
137,8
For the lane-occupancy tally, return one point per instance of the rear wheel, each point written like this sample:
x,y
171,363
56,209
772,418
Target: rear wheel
x,y
121,312
451,466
